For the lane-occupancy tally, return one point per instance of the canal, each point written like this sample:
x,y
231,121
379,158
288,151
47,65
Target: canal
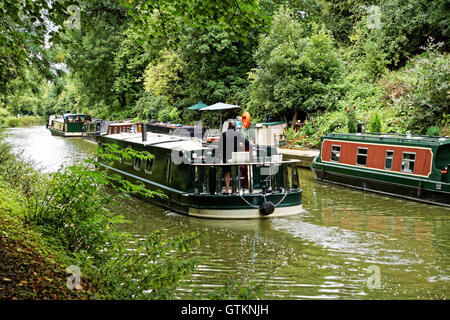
x,y
345,245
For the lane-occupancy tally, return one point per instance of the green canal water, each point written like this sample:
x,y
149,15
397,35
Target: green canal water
x,y
345,245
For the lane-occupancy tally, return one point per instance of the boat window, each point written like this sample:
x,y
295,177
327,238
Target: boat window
x,y
137,164
389,159
149,166
169,173
335,153
408,161
361,157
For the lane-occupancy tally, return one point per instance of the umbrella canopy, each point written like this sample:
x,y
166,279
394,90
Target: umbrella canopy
x,y
200,105
220,106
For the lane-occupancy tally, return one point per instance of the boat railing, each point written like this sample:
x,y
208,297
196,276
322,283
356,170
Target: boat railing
x,y
209,176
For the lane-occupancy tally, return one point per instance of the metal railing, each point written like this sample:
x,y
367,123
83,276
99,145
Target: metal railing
x,y
209,177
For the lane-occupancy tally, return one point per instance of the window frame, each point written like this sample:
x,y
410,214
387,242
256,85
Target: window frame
x,y
339,155
391,158
409,161
358,154
137,167
147,166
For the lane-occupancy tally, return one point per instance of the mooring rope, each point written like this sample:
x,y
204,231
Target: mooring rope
x,y
252,205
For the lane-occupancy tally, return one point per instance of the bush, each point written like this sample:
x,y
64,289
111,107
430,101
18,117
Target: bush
x,y
13,122
375,123
351,119
420,90
433,131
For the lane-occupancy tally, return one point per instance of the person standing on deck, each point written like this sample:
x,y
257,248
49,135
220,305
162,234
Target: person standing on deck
x,y
231,141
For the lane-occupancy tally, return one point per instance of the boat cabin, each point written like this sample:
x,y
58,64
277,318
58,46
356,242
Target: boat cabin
x,y
69,124
369,159
187,170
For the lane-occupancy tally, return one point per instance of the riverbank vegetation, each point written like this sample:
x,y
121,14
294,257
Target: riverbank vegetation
x,y
60,222
280,60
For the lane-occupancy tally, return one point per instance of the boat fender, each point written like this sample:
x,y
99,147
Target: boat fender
x,y
267,207
246,120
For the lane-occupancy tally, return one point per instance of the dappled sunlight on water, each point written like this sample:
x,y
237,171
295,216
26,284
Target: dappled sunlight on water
x,y
323,253
49,152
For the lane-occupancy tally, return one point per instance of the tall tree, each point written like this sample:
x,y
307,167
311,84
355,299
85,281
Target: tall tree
x,y
24,26
294,69
90,51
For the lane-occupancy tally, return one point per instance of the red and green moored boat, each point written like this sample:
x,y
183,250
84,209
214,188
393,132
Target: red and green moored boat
x,y
413,167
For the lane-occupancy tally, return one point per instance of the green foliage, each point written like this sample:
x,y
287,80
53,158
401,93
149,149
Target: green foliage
x,y
375,123
351,119
165,18
90,53
164,77
420,90
22,29
306,136
278,59
68,209
433,131
215,65
295,69
71,209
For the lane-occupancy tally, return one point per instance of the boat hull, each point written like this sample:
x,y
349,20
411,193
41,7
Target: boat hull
x,y
436,193
218,206
249,213
56,132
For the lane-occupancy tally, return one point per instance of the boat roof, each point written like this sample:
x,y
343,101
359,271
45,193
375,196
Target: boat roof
x,y
75,114
165,141
418,140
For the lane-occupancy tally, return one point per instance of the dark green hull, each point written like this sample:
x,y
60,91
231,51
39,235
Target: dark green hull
x,y
56,132
413,188
219,206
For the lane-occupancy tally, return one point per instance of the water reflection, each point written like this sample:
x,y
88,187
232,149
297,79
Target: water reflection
x,y
49,152
323,253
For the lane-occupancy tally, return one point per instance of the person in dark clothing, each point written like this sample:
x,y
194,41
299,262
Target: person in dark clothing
x,y
231,141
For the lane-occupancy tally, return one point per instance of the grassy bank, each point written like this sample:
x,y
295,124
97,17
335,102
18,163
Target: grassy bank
x,y
49,222
29,267
11,122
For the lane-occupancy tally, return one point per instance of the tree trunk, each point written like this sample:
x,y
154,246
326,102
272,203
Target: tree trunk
x,y
294,118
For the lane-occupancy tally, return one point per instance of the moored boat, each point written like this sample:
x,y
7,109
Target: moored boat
x,y
186,170
68,125
412,167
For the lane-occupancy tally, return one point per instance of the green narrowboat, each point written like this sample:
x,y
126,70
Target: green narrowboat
x,y
68,125
186,170
412,167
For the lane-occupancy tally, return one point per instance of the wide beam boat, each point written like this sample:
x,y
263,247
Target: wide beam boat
x,y
68,125
185,169
413,167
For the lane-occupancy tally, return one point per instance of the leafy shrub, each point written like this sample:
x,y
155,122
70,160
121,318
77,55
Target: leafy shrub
x,y
433,131
351,119
13,122
375,123
421,89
